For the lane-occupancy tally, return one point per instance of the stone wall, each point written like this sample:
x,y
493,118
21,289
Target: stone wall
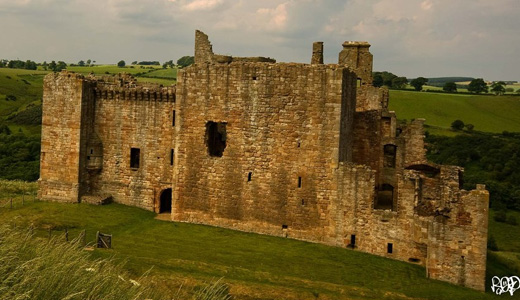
x,y
141,117
284,141
65,107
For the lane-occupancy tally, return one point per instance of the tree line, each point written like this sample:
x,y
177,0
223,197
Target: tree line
x,y
491,159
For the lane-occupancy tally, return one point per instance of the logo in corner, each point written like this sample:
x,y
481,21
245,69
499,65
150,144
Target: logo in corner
x,y
505,284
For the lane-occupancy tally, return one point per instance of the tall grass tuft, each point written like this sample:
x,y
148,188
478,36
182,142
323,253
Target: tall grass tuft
x,y
32,268
215,290
42,269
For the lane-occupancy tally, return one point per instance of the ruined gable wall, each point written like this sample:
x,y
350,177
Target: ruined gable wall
x,y
134,116
283,122
65,105
458,238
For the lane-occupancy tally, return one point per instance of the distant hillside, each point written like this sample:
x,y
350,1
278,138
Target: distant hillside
x,y
486,112
440,81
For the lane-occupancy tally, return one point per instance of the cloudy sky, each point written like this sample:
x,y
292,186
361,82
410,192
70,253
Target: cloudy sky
x,y
478,38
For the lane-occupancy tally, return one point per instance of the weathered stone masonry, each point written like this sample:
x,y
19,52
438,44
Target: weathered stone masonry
x,y
305,151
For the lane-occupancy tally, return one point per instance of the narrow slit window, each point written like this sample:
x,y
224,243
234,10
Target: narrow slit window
x,y
135,155
173,119
299,182
352,240
249,176
390,248
172,153
303,202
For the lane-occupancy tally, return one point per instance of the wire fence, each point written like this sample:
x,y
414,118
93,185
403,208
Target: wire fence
x,y
15,193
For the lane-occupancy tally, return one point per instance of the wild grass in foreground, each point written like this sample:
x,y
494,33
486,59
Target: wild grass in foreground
x,y
32,268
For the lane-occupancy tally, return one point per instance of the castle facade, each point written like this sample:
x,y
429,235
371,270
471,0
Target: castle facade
x,y
305,151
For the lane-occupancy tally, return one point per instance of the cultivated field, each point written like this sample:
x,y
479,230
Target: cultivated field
x,y
487,113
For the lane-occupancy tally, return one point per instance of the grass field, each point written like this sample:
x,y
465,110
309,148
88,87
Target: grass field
x,y
255,266
25,85
487,113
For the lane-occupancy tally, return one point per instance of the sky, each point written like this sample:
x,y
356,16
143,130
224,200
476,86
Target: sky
x,y
429,38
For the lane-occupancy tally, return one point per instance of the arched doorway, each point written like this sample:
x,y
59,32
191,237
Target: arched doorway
x,y
165,206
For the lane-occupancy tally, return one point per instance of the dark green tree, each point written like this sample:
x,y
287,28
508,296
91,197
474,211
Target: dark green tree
x,y
450,87
52,66
418,83
185,61
60,66
399,82
81,63
478,86
457,125
377,80
121,63
498,88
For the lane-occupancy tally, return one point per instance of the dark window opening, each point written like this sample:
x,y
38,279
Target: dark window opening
x,y
390,248
299,182
284,226
398,132
254,77
173,118
353,240
414,260
165,205
216,138
461,179
88,157
91,151
135,154
389,156
171,156
249,176
303,202
298,144
385,197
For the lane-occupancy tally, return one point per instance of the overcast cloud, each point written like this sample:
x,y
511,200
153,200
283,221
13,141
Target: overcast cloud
x,y
478,38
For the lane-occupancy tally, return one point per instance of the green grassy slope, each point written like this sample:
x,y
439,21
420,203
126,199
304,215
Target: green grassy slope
x,y
487,113
263,266
25,85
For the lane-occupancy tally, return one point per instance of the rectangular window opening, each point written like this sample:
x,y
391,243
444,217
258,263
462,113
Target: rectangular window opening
x,y
216,138
390,248
352,240
171,156
135,155
173,119
284,226
303,202
249,175
299,182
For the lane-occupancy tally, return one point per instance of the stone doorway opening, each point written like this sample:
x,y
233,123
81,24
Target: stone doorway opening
x,y
165,204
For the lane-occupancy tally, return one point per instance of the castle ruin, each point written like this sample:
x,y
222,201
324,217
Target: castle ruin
x,y
305,151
